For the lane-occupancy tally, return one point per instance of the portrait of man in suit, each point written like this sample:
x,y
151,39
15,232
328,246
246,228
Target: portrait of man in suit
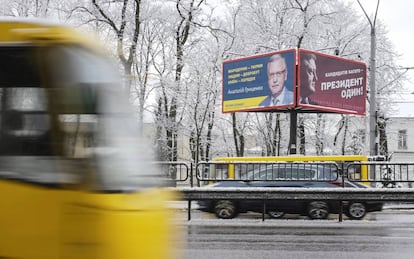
x,y
308,77
277,73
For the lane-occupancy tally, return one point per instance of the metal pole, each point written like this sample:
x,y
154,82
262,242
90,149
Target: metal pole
x,y
293,132
373,146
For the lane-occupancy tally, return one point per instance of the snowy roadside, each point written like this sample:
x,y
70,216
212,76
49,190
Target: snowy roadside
x,y
182,205
398,206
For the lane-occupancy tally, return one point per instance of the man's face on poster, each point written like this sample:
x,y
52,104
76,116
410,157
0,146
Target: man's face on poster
x,y
309,77
276,76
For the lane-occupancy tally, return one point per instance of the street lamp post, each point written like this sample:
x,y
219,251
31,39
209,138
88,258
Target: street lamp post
x,y
373,131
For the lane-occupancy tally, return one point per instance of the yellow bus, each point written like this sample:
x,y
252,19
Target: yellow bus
x,y
72,178
230,166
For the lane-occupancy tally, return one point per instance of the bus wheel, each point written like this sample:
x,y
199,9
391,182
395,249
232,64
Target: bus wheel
x,y
225,209
318,210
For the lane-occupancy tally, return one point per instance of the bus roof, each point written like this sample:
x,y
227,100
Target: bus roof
x,y
38,31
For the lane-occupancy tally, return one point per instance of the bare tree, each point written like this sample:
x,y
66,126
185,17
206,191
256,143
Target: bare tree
x,y
171,96
319,134
203,110
342,127
238,135
125,46
143,86
28,8
269,127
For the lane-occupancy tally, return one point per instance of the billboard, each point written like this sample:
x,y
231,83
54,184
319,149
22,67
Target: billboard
x,y
260,83
331,83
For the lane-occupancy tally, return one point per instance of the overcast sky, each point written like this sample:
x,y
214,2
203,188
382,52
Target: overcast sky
x,y
398,16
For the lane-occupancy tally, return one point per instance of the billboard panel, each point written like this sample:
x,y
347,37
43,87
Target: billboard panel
x,y
331,83
260,83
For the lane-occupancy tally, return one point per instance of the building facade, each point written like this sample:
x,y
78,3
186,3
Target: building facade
x,y
400,135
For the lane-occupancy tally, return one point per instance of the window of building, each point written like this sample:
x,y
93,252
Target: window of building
x,y
402,139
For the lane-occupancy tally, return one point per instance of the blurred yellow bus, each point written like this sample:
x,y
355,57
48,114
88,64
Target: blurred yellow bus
x,y
230,166
75,178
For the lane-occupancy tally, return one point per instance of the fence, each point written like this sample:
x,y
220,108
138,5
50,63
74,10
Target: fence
x,y
382,174
374,174
386,175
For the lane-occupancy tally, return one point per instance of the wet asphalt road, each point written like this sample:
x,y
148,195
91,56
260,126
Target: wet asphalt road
x,y
387,234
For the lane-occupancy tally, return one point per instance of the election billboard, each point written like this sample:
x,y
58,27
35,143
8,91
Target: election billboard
x,y
260,83
331,83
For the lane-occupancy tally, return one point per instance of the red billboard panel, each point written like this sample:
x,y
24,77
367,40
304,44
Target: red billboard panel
x,y
331,83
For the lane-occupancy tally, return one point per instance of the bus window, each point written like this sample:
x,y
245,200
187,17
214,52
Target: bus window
x,y
25,128
25,123
18,67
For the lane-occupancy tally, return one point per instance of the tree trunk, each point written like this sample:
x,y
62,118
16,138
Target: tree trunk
x,y
237,137
320,134
301,136
276,136
346,124
383,142
208,137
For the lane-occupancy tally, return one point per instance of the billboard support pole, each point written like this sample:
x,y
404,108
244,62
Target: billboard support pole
x,y
293,132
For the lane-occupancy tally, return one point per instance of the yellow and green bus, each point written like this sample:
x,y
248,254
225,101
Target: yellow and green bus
x,y
75,178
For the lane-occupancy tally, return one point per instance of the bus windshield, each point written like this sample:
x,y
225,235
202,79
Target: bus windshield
x,y
70,104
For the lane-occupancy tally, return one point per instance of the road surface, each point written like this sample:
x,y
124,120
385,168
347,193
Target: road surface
x,y
387,234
